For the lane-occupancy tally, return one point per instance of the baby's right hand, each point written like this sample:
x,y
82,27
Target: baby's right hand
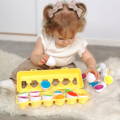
x,y
43,59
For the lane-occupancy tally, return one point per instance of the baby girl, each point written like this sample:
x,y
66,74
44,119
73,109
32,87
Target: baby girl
x,y
59,39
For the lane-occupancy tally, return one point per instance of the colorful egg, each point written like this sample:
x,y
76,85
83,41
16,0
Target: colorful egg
x,y
100,87
108,80
93,83
22,99
47,97
60,96
35,98
23,95
57,92
90,77
35,93
51,61
45,84
97,87
67,90
71,94
83,75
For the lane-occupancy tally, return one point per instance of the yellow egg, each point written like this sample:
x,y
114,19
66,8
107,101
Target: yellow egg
x,y
108,80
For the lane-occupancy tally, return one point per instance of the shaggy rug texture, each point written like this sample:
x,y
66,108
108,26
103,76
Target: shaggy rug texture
x,y
102,106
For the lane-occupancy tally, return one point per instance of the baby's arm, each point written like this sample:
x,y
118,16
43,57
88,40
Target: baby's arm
x,y
38,57
90,62
88,59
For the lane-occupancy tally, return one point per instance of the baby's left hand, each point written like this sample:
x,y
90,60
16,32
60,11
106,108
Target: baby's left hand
x,y
94,71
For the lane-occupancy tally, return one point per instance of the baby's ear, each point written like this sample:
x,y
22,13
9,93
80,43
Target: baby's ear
x,y
82,7
46,11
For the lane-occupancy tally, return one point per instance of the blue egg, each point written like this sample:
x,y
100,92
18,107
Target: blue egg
x,y
45,84
57,91
93,83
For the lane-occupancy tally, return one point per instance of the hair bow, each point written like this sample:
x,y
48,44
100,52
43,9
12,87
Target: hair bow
x,y
71,5
56,7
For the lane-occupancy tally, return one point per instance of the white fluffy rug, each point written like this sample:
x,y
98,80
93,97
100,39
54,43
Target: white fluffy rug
x,y
102,106
7,63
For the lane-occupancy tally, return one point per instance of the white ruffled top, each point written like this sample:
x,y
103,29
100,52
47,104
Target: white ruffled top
x,y
65,55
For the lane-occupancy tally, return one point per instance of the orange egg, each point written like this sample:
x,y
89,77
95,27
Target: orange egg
x,y
59,96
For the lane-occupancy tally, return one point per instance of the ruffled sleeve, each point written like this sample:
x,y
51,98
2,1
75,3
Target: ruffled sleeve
x,y
45,41
82,47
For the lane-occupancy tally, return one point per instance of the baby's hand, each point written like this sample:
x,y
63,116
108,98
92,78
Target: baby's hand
x,y
94,71
43,59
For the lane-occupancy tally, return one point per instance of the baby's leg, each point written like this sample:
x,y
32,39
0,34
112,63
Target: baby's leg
x,y
72,65
25,66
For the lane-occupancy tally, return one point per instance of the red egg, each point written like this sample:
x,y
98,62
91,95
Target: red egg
x,y
72,93
83,75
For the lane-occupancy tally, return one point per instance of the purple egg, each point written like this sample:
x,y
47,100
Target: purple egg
x,y
98,87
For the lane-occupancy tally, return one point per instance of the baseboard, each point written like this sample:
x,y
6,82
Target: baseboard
x,y
26,38
30,38
103,42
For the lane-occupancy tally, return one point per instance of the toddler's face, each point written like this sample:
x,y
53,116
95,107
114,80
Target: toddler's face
x,y
64,39
67,22
64,42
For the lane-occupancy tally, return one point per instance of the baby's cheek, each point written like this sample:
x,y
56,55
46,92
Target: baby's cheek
x,y
66,42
